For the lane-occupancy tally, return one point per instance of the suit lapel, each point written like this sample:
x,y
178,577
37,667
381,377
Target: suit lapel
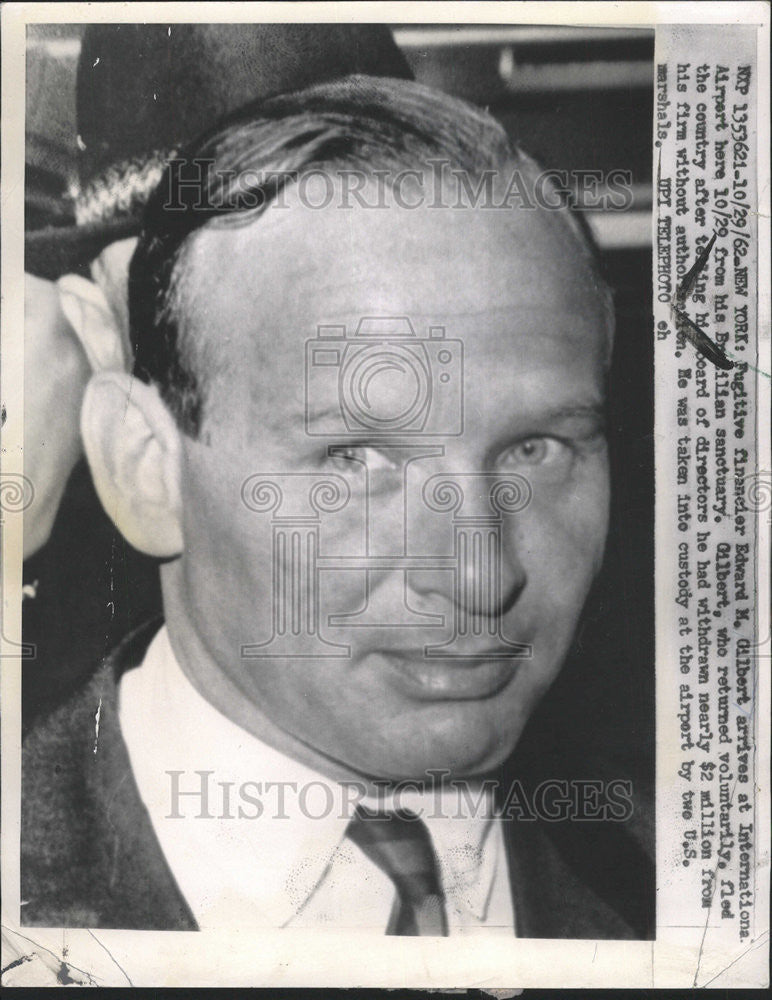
x,y
141,884
90,857
550,900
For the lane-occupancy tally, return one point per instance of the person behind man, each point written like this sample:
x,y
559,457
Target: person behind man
x,y
326,639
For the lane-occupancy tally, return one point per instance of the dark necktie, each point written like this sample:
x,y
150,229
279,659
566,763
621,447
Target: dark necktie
x,y
399,844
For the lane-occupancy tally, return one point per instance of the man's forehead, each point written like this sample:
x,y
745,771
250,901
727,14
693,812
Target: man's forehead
x,y
297,263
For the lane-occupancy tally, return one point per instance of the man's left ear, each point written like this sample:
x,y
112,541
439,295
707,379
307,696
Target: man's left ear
x,y
133,447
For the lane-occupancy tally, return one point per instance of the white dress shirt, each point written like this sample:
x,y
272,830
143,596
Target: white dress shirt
x,y
247,850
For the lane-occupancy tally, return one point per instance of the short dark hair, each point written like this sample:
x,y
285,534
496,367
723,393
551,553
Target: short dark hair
x,y
366,123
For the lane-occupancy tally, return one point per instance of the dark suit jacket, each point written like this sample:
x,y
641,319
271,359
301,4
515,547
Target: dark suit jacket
x,y
90,858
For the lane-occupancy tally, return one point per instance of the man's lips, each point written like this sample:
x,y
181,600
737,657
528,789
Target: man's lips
x,y
467,678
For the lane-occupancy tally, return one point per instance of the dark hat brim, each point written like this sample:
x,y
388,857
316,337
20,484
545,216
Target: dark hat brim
x,y
57,250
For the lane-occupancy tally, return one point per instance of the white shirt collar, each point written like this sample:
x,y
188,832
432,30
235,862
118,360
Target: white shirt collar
x,y
234,866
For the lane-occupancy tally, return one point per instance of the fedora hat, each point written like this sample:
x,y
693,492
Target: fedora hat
x,y
145,90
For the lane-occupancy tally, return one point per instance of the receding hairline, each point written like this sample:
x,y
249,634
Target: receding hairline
x,y
190,287
271,221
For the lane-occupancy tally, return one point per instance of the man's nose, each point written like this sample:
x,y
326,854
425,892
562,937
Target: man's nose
x,y
465,525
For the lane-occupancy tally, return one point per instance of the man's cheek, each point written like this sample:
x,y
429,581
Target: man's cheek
x,y
579,538
563,547
227,553
580,516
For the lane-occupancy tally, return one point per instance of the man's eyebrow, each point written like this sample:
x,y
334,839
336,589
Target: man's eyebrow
x,y
574,411
594,410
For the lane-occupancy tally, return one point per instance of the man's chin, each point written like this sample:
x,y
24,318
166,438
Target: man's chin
x,y
474,757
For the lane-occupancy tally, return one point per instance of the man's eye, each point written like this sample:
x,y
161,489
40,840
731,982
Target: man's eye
x,y
537,451
351,458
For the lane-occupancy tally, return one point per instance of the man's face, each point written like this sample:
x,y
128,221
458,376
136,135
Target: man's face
x,y
516,301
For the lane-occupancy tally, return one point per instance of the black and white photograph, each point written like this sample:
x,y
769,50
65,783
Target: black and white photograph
x,y
384,497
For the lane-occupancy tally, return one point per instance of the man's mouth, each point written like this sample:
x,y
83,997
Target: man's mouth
x,y
466,678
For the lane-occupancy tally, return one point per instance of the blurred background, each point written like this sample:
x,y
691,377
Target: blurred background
x,y
577,99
